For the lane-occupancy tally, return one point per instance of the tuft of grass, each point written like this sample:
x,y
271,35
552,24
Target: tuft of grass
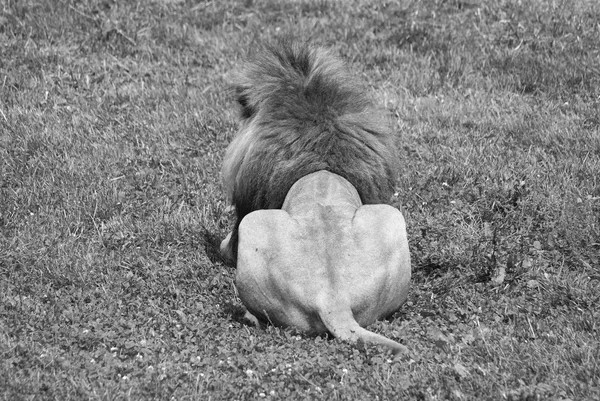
x,y
114,117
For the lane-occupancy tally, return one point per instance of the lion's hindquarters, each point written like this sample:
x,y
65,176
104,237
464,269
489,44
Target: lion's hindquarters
x,y
380,273
275,277
374,278
291,277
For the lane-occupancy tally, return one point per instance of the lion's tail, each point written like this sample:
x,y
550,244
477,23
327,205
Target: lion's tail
x,y
343,326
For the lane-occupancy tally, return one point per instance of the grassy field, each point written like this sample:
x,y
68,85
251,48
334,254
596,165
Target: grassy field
x,y
114,117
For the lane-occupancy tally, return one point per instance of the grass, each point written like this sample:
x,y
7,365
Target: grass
x,y
114,117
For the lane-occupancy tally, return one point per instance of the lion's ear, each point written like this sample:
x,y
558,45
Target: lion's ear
x,y
246,108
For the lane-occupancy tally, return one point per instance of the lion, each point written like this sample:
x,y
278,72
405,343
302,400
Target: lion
x,y
310,174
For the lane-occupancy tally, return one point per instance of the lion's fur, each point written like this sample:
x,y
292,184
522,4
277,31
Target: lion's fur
x,y
301,112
